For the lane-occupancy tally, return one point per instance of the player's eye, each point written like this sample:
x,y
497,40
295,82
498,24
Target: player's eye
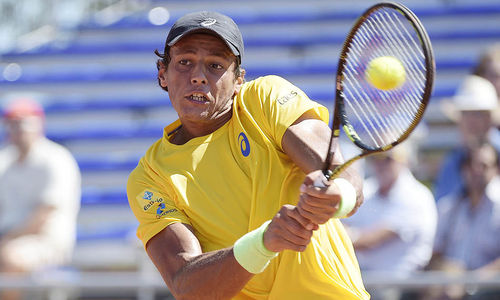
x,y
184,62
217,66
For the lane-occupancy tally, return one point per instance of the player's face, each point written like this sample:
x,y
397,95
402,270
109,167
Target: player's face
x,y
201,80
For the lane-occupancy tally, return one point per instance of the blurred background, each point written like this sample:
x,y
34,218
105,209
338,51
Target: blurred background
x,y
91,64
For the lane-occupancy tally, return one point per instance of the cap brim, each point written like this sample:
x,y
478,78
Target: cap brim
x,y
208,31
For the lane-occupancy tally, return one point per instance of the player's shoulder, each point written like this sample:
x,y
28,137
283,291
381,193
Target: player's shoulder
x,y
267,90
148,160
267,82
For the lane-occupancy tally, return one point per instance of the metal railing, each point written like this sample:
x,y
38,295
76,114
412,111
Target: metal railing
x,y
58,285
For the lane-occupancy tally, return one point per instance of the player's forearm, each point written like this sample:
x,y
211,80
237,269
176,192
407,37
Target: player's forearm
x,y
211,275
306,142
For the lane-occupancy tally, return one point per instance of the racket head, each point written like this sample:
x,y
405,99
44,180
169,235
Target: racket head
x,y
377,120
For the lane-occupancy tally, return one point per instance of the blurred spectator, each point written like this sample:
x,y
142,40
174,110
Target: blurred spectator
x,y
394,229
489,66
468,231
472,107
39,195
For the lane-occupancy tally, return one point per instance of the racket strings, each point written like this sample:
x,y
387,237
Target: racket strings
x,y
396,121
396,45
399,42
388,124
365,112
380,117
415,66
381,121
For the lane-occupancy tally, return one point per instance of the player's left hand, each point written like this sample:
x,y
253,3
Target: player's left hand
x,y
318,204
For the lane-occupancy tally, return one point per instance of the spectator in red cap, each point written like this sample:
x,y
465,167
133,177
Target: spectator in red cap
x,y
24,119
39,195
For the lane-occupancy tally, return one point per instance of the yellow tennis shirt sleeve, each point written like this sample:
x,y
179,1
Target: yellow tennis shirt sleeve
x,y
275,103
151,203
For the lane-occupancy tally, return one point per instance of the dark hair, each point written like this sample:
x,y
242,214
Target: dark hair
x,y
165,60
469,153
489,56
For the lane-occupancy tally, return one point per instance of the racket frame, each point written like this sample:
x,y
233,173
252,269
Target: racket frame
x,y
340,116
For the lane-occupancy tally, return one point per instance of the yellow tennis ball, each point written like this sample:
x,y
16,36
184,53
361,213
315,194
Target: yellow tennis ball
x,y
385,73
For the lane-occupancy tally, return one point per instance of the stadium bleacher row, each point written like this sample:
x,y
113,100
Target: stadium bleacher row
x,y
102,101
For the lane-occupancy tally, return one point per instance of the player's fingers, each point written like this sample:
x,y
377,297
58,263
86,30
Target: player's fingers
x,y
298,229
304,222
291,246
286,233
318,209
289,217
316,218
318,204
294,223
319,214
294,233
278,240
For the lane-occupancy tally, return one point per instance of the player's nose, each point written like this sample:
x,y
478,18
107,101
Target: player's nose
x,y
198,75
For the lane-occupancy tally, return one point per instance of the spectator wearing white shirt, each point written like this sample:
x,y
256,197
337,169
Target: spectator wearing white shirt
x,y
39,195
394,229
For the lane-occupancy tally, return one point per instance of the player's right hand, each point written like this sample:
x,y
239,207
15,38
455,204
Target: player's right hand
x,y
288,230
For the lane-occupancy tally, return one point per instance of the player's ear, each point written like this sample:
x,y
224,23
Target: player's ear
x,y
162,74
239,81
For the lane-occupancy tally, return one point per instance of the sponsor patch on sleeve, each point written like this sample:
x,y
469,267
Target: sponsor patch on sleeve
x,y
152,202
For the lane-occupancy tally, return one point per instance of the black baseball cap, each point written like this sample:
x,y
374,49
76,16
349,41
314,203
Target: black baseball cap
x,y
211,22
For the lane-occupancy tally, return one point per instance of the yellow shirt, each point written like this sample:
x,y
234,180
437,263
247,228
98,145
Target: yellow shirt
x,y
228,183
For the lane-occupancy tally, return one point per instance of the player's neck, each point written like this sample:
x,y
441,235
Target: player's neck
x,y
190,130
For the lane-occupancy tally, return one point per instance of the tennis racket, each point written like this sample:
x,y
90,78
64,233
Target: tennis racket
x,y
377,120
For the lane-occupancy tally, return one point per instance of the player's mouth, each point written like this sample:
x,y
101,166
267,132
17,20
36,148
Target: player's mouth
x,y
198,97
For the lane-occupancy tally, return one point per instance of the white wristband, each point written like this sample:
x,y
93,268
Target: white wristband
x,y
250,252
348,194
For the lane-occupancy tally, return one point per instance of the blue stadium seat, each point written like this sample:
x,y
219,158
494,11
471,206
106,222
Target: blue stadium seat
x,y
109,196
148,73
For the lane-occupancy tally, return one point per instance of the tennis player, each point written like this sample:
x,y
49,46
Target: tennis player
x,y
225,200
